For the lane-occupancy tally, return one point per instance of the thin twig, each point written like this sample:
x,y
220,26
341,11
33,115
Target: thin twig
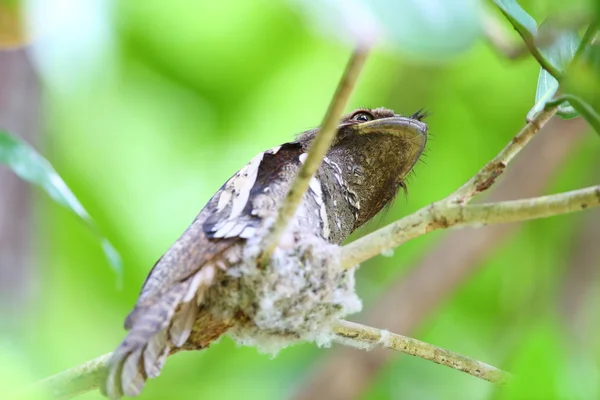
x,y
394,234
488,174
317,151
87,376
581,106
442,215
359,335
578,103
540,58
529,41
77,380
587,39
498,38
438,273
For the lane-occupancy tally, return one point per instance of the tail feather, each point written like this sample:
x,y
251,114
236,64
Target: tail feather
x,y
160,361
112,386
183,320
158,348
132,377
155,330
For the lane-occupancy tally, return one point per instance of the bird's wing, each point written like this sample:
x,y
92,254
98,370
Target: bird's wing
x,y
168,304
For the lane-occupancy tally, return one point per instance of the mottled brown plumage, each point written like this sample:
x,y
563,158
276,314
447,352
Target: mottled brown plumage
x,y
185,302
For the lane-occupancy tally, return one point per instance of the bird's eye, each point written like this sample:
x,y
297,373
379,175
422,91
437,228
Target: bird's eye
x,y
362,116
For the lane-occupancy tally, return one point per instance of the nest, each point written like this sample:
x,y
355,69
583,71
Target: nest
x,y
296,298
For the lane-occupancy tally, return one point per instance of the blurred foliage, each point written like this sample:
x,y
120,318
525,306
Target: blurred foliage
x,y
560,53
12,30
146,119
33,168
422,30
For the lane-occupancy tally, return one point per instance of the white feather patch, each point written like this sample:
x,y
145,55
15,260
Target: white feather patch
x,y
223,228
333,164
221,264
236,230
193,286
242,183
235,195
208,275
315,187
273,150
224,199
248,232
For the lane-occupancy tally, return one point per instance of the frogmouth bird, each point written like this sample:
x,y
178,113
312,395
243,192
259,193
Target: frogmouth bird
x,y
209,282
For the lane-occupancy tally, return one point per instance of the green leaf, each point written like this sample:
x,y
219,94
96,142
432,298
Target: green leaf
x,y
434,30
30,166
546,89
559,53
518,17
581,82
562,49
440,28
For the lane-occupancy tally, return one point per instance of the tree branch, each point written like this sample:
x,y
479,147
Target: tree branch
x,y
442,215
363,336
77,380
88,376
317,151
488,174
437,274
397,233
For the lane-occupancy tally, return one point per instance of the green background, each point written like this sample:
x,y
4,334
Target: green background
x,y
182,94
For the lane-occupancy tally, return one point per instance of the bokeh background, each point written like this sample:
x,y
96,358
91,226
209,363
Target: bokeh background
x,y
146,108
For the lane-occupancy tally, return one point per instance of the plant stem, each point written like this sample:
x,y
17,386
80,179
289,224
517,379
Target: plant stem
x,y
317,151
363,336
443,215
494,168
588,37
583,108
77,380
529,41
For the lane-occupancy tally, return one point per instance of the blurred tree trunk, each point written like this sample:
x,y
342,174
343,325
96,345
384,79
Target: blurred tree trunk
x,y
581,283
19,115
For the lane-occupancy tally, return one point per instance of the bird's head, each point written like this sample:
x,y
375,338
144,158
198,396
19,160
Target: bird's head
x,y
373,152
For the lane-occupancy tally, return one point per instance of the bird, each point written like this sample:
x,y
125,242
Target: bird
x,y
209,282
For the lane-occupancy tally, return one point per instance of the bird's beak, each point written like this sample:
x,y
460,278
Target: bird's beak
x,y
411,131
398,126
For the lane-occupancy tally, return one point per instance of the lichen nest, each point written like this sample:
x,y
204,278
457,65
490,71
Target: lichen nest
x,y
296,298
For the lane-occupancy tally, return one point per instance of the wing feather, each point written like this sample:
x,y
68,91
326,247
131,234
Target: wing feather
x,y
169,303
